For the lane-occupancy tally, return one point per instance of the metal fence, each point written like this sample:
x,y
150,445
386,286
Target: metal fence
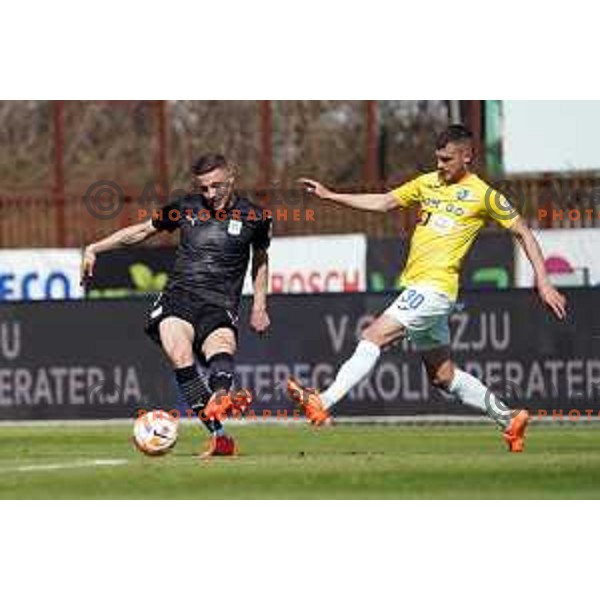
x,y
53,152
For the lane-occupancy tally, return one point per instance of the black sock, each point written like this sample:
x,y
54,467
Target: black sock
x,y
221,378
221,369
196,393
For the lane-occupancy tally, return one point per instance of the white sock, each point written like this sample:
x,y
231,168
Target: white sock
x,y
351,372
472,392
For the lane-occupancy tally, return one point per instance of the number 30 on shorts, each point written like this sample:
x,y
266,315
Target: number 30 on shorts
x,y
410,299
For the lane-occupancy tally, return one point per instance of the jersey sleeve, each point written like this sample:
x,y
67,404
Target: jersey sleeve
x,y
263,234
500,209
167,217
408,194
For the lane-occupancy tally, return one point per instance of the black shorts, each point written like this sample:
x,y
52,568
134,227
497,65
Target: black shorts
x,y
205,317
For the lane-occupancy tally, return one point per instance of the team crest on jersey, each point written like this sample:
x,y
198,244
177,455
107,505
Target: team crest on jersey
x,y
234,228
232,317
193,219
463,194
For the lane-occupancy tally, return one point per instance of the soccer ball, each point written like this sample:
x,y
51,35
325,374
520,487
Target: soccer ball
x,y
155,432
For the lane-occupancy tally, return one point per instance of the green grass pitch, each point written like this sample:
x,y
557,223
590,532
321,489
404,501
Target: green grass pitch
x,y
341,462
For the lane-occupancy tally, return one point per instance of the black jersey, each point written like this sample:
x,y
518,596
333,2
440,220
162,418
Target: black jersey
x,y
214,246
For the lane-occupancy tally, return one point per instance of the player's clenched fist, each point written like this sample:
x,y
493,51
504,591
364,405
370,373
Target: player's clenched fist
x,y
259,320
314,187
88,262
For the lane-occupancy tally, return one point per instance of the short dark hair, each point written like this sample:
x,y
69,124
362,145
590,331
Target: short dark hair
x,y
454,133
209,162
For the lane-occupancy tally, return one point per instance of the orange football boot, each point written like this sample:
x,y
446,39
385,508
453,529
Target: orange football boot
x,y
310,402
218,406
241,401
514,435
222,445
222,405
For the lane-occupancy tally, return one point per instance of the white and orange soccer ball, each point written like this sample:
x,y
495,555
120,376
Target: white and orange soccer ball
x,y
155,432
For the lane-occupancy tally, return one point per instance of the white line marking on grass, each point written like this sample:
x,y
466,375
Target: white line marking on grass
x,y
82,464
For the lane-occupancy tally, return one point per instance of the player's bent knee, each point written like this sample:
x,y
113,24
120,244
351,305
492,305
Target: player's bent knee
x,y
441,382
180,355
221,340
374,334
382,334
368,336
442,378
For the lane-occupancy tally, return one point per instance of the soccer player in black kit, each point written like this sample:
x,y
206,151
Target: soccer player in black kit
x,y
197,314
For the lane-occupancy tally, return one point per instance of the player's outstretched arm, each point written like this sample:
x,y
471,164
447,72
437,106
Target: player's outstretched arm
x,y
550,296
128,236
370,202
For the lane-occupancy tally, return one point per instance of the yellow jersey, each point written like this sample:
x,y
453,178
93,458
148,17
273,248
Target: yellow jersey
x,y
450,217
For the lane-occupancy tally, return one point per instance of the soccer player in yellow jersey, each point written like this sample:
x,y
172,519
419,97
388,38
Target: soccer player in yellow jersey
x,y
454,205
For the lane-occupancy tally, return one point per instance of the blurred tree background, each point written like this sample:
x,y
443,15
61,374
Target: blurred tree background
x,y
52,153
117,140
